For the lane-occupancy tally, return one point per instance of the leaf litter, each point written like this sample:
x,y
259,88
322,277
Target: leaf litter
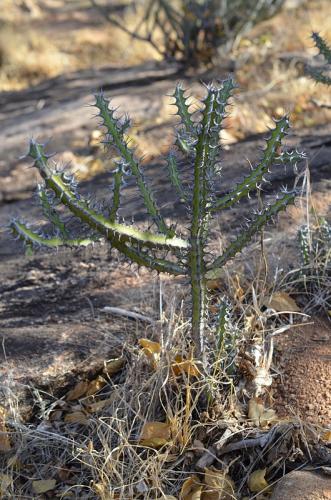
x,y
149,424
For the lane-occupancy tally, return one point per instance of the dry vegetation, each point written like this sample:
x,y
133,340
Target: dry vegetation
x,y
154,423
268,61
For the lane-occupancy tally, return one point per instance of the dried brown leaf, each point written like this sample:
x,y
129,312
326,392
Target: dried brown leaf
x,y
327,436
154,347
43,485
95,385
114,366
281,301
152,357
155,434
5,445
187,366
78,391
257,481
56,415
239,293
218,485
191,489
213,284
151,350
259,415
64,474
6,482
98,405
76,417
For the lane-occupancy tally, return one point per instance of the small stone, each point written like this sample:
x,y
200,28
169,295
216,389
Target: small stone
x,y
302,485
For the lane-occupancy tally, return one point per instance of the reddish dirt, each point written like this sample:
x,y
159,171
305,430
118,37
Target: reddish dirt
x,y
304,363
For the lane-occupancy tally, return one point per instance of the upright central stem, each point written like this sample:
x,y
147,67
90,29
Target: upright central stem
x,y
198,229
198,288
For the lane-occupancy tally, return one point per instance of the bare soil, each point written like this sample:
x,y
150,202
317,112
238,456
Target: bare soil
x,y
304,363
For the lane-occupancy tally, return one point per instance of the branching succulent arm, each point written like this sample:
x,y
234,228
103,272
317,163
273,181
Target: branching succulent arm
x,y
162,249
321,75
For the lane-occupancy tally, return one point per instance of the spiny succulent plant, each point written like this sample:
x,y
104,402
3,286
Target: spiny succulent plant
x,y
191,31
321,74
315,243
162,249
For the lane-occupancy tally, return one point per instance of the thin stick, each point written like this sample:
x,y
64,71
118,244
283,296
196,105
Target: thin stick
x,y
129,314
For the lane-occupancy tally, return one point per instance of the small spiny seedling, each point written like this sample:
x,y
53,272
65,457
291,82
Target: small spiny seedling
x,y
315,241
313,279
163,249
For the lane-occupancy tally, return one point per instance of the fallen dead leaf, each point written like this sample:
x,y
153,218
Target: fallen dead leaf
x,y
155,347
187,366
95,385
259,415
98,405
6,482
78,391
239,293
326,436
281,301
191,489
257,481
5,445
213,284
43,485
155,434
76,417
64,474
114,366
56,416
250,323
218,485
102,490
151,350
152,357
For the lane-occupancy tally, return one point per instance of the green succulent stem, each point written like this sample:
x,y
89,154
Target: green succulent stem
x,y
261,220
118,178
51,214
210,122
183,109
321,75
175,177
322,46
117,139
23,232
81,209
243,189
162,250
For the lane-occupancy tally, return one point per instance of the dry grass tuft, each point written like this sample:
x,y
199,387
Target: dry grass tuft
x,y
270,70
27,57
